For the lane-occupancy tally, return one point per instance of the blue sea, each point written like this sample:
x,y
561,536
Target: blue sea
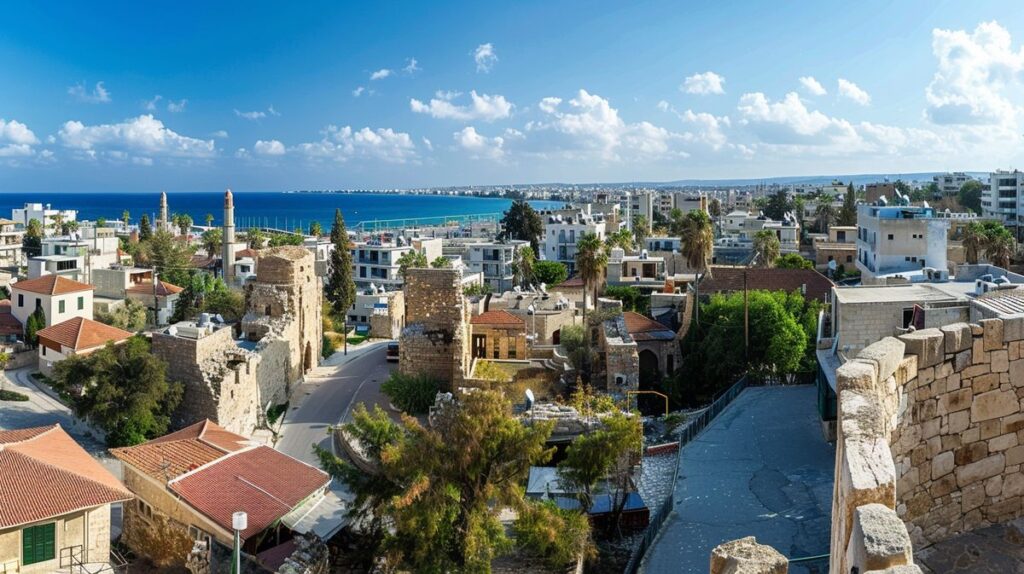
x,y
280,210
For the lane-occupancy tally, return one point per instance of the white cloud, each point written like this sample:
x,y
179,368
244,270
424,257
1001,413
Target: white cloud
x,y
549,104
788,121
703,84
427,144
98,95
142,135
343,143
269,147
15,132
848,89
220,134
485,58
257,114
145,161
272,111
411,66
358,91
482,107
710,128
176,107
479,146
978,79
380,74
151,105
813,86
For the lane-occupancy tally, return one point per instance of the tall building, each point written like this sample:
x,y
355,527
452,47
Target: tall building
x,y
561,232
950,183
899,240
1002,199
44,214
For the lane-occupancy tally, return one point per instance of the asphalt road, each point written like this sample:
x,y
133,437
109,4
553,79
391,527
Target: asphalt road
x,y
330,393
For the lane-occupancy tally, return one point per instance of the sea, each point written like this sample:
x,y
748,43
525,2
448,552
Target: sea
x,y
278,210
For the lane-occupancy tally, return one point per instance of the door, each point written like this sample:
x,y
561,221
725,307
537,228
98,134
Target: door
x,y
480,346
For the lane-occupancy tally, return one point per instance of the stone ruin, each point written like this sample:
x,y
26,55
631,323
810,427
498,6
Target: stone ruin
x,y
435,340
930,444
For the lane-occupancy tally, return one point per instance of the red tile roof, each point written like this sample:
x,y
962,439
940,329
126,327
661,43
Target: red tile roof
x,y
163,289
9,324
642,328
248,252
729,279
44,474
576,282
51,285
174,454
79,333
498,318
261,481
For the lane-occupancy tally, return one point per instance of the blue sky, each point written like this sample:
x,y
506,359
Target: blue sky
x,y
268,96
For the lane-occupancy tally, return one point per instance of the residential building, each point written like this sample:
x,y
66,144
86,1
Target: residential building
x,y
378,313
54,505
60,298
494,259
544,314
657,347
160,299
874,191
76,336
950,183
44,214
76,255
724,279
641,269
498,335
190,482
1003,198
561,233
662,243
10,328
11,237
899,241
839,245
375,262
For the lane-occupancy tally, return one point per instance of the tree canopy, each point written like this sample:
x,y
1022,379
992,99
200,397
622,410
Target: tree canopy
x,y
550,272
793,261
522,221
411,260
970,195
766,247
340,290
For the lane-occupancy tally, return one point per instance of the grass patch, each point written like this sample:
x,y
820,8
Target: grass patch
x,y
275,412
6,395
356,339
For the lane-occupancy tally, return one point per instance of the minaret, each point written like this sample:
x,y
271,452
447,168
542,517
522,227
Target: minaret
x,y
162,222
228,239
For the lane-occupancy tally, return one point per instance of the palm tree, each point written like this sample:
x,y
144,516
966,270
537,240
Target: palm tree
x,y
591,259
641,228
522,266
697,241
973,242
825,214
315,229
126,217
999,247
766,247
58,222
209,219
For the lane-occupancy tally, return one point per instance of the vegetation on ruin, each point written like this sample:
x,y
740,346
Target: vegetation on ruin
x,y
633,298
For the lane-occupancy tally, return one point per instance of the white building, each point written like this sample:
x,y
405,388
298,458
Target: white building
x,y
59,297
44,214
638,203
494,259
1003,198
76,255
11,237
76,336
376,262
561,233
950,183
900,240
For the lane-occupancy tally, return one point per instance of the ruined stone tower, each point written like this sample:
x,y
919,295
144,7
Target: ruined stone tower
x,y
435,340
228,239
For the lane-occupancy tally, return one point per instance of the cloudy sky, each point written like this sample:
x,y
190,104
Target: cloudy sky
x,y
270,96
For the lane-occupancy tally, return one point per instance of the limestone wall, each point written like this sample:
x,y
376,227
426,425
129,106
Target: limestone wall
x,y
435,340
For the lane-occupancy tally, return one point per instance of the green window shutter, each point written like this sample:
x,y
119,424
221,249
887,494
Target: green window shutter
x,y
61,304
38,543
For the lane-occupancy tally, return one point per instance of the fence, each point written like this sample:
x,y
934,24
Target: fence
x,y
693,428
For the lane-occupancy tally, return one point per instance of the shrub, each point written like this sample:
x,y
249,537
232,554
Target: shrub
x,y
328,347
275,412
489,371
6,395
413,394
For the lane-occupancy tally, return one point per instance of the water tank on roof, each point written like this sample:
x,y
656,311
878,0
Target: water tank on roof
x,y
204,319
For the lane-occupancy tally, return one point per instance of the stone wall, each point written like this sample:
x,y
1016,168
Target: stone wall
x,y
435,340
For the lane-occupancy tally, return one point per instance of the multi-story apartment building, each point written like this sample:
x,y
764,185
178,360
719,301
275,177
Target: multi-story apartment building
x,y
44,214
899,240
874,191
10,243
950,183
76,255
561,232
638,203
375,262
494,259
1003,198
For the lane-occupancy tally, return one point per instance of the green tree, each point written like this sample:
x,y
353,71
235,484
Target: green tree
x,y
224,302
411,260
57,224
122,389
315,229
413,393
766,247
212,240
208,218
633,299
522,221
436,502
558,536
1000,246
523,263
145,230
641,230
278,239
32,241
169,256
131,316
550,272
697,241
441,262
255,238
623,239
101,222
973,241
715,208
183,222
793,261
970,195
341,288
36,322
591,260
825,214
848,213
778,205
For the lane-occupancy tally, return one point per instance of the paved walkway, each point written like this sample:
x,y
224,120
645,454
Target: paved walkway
x,y
761,468
996,549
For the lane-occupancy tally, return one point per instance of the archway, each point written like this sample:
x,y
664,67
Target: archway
x,y
650,377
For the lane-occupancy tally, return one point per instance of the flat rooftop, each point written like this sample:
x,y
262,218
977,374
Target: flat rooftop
x,y
763,469
914,292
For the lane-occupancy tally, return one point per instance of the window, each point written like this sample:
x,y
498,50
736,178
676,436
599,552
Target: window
x,y
890,237
144,510
908,317
849,258
81,303
60,306
43,347
198,534
21,300
38,543
39,302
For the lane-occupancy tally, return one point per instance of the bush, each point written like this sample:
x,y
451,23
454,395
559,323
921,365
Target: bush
x,y
413,394
6,395
489,371
550,272
328,347
633,299
275,412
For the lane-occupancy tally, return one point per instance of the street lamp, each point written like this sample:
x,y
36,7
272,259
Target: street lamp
x,y
532,312
239,522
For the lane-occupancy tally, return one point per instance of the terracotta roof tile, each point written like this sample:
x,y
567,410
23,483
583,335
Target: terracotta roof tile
x,y
642,328
172,455
9,324
44,473
163,289
80,333
261,481
498,317
51,285
729,279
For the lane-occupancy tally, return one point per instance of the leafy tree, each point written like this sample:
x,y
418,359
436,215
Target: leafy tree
x,y
255,238
623,239
411,260
715,208
902,187
973,241
522,221
435,505
183,222
279,239
69,227
131,316
36,322
328,347
315,229
1000,246
633,299
932,191
169,256
641,230
778,205
970,195
224,302
208,218
793,261
848,213
591,260
558,536
477,289
101,222
126,218
145,230
550,272
766,247
122,389
523,263
192,299
413,393
58,222
32,241
441,262
574,340
697,240
825,214
212,240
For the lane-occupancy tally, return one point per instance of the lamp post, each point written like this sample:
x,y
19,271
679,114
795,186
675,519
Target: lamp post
x,y
532,312
239,522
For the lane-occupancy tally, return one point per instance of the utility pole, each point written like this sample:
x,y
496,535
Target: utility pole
x,y
239,522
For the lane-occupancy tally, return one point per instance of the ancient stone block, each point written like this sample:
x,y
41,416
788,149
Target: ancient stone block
x,y
985,383
878,540
886,356
955,401
746,556
1002,442
1000,361
942,464
927,344
957,337
972,452
992,333
1013,329
980,470
993,404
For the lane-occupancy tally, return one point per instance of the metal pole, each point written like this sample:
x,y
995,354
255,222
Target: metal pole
x,y
746,318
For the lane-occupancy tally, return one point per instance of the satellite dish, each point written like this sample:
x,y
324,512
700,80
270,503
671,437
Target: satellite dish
x,y
529,399
172,330
218,318
832,265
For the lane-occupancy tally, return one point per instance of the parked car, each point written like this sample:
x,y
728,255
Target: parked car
x,y
393,351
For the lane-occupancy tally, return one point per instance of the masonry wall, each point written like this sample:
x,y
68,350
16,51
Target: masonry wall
x,y
861,325
435,340
87,529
